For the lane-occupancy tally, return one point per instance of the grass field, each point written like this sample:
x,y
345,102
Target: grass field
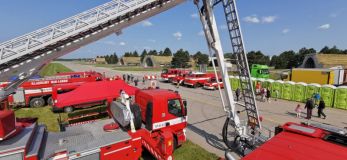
x,y
53,68
44,115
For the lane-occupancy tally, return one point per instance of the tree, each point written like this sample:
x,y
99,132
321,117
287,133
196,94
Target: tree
x,y
285,60
302,53
143,54
135,54
180,59
333,50
153,52
257,57
201,58
167,52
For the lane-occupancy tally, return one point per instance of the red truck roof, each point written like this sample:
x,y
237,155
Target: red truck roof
x,y
299,142
93,91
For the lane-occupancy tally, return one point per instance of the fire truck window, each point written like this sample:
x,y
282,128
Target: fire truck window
x,y
174,107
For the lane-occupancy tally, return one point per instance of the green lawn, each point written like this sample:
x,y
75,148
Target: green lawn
x,y
45,115
191,151
53,68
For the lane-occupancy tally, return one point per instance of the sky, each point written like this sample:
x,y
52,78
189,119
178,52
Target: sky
x,y
271,26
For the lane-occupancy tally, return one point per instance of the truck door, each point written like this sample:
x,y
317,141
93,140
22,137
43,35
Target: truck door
x,y
19,97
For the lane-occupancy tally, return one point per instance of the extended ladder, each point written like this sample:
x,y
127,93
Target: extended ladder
x,y
25,55
237,44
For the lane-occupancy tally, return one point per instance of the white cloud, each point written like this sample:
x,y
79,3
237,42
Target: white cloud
x,y
251,19
147,23
324,26
194,15
285,31
223,26
201,33
178,35
268,19
122,43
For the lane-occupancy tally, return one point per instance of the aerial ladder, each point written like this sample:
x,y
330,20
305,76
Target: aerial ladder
x,y
24,56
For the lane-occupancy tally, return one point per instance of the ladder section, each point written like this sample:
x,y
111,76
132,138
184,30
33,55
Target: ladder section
x,y
234,29
23,55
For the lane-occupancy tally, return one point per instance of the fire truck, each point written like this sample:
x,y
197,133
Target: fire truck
x,y
197,79
94,94
167,75
214,84
156,123
38,92
161,111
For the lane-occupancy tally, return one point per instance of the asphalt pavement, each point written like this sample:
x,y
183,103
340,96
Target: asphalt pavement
x,y
206,115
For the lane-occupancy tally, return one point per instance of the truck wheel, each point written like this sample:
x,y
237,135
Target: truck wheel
x,y
175,143
135,109
68,109
195,85
37,102
50,101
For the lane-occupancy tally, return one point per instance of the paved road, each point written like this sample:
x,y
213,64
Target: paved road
x,y
206,115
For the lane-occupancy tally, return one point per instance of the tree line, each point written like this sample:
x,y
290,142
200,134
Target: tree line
x,y
287,59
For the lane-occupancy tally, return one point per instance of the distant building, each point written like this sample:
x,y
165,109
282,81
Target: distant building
x,y
130,61
100,60
156,61
324,61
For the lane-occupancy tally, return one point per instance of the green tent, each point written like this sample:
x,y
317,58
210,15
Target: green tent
x,y
287,90
276,89
311,89
340,100
299,92
327,93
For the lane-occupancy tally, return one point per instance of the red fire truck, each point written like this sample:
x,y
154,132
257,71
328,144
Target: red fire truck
x,y
197,79
94,93
212,84
38,92
160,118
167,75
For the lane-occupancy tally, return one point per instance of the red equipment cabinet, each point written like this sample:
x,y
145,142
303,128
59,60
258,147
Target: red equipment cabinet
x,y
38,92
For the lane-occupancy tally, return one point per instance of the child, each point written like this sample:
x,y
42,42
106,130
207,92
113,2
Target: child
x,y
298,111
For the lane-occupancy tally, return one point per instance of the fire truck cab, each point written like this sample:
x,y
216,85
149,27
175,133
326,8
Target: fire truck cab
x,y
162,108
212,84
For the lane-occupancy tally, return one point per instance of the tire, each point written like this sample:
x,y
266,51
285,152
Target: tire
x,y
50,101
175,143
37,102
68,109
136,111
195,85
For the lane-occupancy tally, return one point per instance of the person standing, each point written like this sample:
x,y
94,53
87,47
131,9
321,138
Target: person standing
x,y
136,81
124,77
128,78
316,97
309,106
321,107
268,95
237,92
298,111
143,80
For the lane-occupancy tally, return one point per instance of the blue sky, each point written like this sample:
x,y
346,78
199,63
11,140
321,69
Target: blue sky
x,y
271,26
